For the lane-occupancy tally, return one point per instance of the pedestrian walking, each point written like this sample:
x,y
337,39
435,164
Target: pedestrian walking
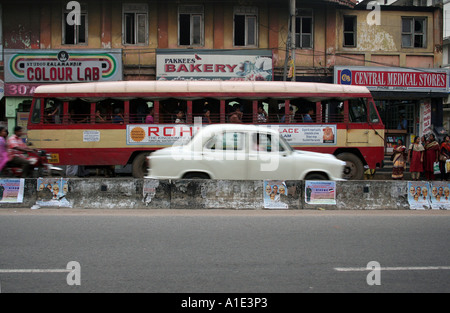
x,y
415,158
399,160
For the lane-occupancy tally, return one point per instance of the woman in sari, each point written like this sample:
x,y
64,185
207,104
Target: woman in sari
x,y
399,160
444,154
415,158
431,156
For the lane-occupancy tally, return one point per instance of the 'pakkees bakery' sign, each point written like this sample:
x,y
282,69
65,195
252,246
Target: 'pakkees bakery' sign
x,y
62,66
214,64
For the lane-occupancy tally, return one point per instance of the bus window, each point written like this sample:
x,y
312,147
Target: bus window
x,y
79,111
332,111
36,114
357,111
139,109
305,111
168,109
200,109
373,114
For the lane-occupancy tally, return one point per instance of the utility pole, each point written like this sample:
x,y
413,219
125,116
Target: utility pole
x,y
292,16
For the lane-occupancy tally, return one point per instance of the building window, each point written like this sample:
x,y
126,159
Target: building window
x,y
135,24
349,31
414,32
190,25
304,28
75,34
245,26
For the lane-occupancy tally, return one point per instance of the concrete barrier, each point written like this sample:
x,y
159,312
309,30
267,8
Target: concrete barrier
x,y
129,193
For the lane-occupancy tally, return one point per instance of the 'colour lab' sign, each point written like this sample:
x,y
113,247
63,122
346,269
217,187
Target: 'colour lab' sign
x,y
62,66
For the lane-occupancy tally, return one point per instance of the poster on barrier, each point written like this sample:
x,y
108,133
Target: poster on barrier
x,y
11,190
440,195
320,192
275,192
52,192
418,195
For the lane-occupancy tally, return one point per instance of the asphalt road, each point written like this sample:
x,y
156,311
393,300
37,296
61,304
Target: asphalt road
x,y
166,251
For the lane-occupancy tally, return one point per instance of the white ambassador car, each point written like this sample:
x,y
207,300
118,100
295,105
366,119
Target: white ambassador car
x,y
241,152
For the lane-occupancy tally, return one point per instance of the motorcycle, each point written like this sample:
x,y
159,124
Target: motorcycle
x,y
39,163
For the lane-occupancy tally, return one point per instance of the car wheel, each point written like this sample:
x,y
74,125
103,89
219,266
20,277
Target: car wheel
x,y
195,176
354,168
139,167
316,176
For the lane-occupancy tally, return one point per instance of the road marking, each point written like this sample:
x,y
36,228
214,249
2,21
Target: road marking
x,y
407,268
34,271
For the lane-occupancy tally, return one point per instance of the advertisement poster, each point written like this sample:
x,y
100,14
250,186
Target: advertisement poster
x,y
240,65
309,135
159,135
52,192
11,190
320,192
274,193
440,195
418,195
169,134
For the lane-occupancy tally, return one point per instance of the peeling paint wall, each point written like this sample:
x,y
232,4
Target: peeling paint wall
x,y
381,45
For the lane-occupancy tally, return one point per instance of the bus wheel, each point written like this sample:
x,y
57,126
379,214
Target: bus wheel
x,y
139,167
354,168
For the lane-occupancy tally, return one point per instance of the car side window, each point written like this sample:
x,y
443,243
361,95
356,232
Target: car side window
x,y
264,142
226,141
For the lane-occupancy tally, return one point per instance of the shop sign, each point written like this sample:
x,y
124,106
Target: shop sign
x,y
393,79
62,66
250,65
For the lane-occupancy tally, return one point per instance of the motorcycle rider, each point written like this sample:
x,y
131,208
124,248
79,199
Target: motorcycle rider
x,y
16,151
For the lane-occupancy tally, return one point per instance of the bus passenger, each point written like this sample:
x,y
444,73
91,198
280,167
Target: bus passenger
x,y
291,114
55,110
236,115
179,117
149,118
118,116
98,117
206,117
262,115
307,117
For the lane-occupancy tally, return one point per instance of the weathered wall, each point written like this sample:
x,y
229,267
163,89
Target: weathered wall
x,y
129,193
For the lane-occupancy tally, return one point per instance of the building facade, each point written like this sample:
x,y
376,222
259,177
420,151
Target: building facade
x,y
148,40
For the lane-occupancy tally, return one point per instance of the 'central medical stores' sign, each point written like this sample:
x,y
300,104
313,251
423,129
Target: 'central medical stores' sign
x,y
393,79
62,66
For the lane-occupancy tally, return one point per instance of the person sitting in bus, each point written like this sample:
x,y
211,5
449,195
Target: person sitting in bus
x,y
262,115
179,117
236,115
291,114
98,117
149,118
118,116
307,117
206,117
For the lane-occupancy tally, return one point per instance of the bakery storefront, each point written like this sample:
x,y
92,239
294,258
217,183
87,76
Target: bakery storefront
x,y
410,101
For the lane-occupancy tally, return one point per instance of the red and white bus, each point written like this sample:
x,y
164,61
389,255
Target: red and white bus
x,y
98,124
